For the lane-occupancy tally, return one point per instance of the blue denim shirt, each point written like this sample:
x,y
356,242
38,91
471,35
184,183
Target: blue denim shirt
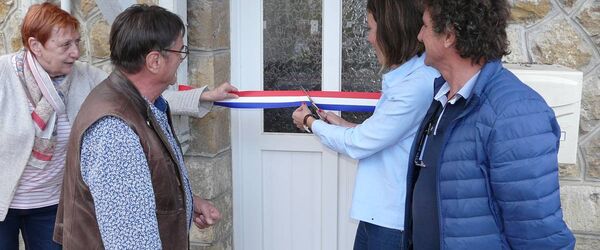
x,y
382,143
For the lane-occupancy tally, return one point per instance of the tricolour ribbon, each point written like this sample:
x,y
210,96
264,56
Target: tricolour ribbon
x,y
327,100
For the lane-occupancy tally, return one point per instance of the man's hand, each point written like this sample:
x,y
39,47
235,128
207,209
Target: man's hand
x,y
205,214
219,93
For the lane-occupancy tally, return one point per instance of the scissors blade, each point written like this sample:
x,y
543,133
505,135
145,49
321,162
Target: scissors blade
x,y
311,101
309,98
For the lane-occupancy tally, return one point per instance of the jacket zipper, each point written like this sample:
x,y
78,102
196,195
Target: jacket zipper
x,y
437,184
488,187
447,134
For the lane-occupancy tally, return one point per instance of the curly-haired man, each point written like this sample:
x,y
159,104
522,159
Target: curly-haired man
x,y
484,170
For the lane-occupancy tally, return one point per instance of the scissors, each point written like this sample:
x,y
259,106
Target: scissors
x,y
312,103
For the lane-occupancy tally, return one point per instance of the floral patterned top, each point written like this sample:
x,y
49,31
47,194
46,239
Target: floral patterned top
x,y
114,167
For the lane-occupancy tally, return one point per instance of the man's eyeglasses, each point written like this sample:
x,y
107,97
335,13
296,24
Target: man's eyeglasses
x,y
183,52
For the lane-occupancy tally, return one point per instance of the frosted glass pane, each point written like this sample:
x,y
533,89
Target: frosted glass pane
x,y
292,53
360,69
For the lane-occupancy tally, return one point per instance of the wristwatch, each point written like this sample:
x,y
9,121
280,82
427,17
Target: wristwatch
x,y
306,128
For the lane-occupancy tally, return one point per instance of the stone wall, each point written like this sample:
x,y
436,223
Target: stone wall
x,y
567,32
209,155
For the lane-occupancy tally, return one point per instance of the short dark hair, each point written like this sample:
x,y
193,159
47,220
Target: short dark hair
x,y
479,25
398,25
139,30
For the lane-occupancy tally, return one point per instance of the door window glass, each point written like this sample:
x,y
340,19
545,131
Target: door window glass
x,y
293,48
360,69
292,53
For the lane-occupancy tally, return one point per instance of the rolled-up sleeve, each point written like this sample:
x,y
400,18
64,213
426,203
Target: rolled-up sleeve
x,y
187,103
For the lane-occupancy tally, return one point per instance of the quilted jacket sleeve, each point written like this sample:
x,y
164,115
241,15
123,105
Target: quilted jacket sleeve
x,y
522,153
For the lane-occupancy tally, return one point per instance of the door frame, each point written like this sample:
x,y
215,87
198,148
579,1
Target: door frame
x,y
247,42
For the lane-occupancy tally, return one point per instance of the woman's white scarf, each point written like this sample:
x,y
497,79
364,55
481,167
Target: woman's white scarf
x,y
47,99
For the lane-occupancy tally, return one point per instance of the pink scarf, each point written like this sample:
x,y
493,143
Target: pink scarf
x,y
47,101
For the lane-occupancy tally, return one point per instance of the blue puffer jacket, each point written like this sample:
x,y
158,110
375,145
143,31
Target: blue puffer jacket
x,y
498,173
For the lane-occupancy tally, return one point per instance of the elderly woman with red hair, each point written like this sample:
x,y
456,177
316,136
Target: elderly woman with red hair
x,y
43,87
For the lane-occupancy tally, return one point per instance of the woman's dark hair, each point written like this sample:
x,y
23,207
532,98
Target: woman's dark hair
x,y
398,25
479,25
139,30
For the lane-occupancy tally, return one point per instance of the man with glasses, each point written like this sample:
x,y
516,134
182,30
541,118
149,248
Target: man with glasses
x,y
184,51
125,182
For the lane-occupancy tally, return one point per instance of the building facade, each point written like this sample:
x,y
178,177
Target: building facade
x,y
565,32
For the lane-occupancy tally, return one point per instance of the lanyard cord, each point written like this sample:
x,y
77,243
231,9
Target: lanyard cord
x,y
423,136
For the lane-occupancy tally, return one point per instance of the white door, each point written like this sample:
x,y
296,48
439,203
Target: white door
x,y
290,192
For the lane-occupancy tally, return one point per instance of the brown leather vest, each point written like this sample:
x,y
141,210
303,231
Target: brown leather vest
x,y
76,224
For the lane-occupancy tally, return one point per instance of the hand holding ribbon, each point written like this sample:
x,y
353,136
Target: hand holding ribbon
x,y
299,117
223,92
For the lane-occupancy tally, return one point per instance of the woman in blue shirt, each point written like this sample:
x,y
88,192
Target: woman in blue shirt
x,y
382,142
